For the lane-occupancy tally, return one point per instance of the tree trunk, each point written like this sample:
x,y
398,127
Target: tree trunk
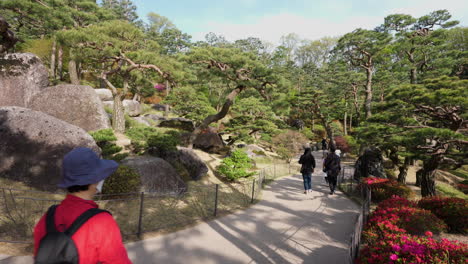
x,y
356,102
73,72
428,176
118,116
350,122
218,116
329,130
60,63
418,177
368,92
52,59
345,125
404,171
166,107
413,75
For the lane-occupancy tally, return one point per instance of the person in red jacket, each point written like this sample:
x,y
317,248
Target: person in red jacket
x,y
99,239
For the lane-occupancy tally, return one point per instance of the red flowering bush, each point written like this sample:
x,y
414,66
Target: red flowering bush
x,y
383,189
395,202
394,235
342,144
414,220
403,248
463,187
453,211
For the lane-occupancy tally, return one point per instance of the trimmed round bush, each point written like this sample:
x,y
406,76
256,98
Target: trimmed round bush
x,y
123,180
453,211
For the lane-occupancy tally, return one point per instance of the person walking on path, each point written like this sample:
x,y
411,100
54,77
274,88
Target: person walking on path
x,y
308,164
98,240
324,147
332,167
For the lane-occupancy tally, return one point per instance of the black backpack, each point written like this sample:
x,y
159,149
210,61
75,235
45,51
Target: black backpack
x,y
58,247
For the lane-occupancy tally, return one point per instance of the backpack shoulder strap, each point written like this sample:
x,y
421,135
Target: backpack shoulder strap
x,y
82,219
50,221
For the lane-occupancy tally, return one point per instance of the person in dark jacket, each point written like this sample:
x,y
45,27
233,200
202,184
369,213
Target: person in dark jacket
x,y
332,167
324,144
308,164
98,240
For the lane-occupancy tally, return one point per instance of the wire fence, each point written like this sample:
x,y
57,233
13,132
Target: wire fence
x,y
362,195
142,212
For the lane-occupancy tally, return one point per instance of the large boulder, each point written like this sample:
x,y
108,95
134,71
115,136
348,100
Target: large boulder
x,y
369,164
192,163
22,75
255,151
209,142
179,123
157,175
160,107
132,107
104,94
33,144
78,105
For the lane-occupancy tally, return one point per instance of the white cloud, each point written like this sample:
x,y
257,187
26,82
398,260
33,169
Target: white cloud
x,y
272,27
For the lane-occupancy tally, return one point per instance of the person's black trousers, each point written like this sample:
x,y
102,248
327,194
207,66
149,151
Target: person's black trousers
x,y
332,182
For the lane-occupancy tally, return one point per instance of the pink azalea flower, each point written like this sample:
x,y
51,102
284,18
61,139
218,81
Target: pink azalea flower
x,y
393,257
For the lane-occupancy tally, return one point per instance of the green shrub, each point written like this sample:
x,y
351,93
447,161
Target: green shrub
x,y
123,180
235,166
160,145
320,132
103,135
120,156
266,137
354,146
390,174
307,132
105,139
141,133
337,128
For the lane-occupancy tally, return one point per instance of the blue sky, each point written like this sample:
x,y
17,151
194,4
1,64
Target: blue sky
x,y
271,19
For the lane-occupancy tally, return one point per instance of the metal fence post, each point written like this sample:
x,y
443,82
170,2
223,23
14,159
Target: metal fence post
x,y
140,217
216,200
253,191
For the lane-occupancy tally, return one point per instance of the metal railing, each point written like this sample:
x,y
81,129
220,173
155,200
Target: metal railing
x,y
141,212
363,196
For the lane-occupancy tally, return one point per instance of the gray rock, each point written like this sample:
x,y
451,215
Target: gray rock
x,y
159,107
78,105
33,144
132,108
255,151
194,164
154,117
109,104
369,164
104,94
22,75
141,120
157,175
179,123
209,142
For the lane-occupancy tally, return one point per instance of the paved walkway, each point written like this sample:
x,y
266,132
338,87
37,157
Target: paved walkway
x,y
287,226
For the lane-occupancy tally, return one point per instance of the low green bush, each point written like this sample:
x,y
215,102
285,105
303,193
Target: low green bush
x,y
123,180
235,166
105,139
160,145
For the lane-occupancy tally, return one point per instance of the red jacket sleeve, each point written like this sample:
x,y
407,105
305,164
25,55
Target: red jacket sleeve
x,y
39,233
111,248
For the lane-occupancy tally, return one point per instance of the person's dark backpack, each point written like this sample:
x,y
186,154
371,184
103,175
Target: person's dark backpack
x,y
58,247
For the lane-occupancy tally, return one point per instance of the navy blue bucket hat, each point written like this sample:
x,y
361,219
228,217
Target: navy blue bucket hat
x,y
82,166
